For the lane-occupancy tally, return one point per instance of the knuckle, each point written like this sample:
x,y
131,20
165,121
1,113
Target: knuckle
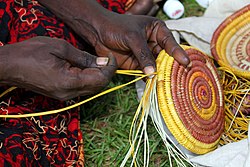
x,y
69,84
86,59
131,35
65,91
61,45
166,39
101,81
145,57
161,23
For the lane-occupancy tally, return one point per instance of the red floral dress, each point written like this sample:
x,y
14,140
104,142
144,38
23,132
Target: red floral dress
x,y
51,140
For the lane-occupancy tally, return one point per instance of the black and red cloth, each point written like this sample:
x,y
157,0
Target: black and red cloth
x,y
52,140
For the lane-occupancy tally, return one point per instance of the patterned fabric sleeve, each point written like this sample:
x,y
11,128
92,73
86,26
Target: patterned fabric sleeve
x,y
118,6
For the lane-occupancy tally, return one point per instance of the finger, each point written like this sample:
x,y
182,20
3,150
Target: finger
x,y
109,70
127,62
180,55
155,48
124,60
143,54
85,60
78,58
167,41
95,79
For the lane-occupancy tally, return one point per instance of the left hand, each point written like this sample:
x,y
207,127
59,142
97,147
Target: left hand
x,y
54,68
135,41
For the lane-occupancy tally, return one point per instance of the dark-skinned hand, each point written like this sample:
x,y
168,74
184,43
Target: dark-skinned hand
x,y
54,68
134,40
143,7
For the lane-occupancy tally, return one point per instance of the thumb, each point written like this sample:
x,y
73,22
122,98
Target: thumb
x,y
86,60
80,59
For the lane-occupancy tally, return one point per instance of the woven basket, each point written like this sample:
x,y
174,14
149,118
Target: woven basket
x,y
191,101
230,44
237,106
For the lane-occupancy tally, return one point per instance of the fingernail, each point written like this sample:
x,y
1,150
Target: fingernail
x,y
102,61
149,70
189,65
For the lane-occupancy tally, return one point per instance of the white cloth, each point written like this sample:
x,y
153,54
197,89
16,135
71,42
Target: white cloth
x,y
230,155
198,31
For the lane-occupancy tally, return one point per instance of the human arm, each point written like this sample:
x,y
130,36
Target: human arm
x,y
54,68
133,40
143,7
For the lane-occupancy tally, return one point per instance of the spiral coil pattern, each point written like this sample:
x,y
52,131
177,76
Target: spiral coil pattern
x,y
230,44
191,101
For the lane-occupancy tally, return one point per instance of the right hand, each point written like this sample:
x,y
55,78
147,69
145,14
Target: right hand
x,y
135,41
54,68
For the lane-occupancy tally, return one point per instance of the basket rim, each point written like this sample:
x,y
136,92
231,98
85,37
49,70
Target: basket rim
x,y
226,25
222,26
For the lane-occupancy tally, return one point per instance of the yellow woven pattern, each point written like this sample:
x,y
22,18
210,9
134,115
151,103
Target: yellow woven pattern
x,y
205,113
237,106
233,31
169,112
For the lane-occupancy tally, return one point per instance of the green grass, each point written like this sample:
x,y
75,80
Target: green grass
x,y
106,121
191,9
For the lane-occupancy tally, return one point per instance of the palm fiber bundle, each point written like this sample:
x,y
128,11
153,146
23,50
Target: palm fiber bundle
x,y
191,101
230,44
237,106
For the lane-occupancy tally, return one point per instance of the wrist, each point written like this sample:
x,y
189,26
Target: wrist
x,y
83,16
3,63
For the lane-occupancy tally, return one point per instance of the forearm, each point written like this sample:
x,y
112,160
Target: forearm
x,y
141,7
83,16
3,64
